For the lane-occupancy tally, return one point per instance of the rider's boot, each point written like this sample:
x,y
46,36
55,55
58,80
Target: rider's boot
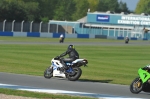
x,y
63,69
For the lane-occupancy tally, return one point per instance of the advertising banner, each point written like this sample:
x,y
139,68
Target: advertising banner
x,y
118,19
103,18
134,20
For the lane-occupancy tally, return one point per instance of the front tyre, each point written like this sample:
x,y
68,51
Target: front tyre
x,y
48,73
136,85
75,75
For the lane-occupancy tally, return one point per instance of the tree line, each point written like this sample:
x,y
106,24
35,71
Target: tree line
x,y
44,10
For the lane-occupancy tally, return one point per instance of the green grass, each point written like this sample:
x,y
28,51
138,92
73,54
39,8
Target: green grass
x,y
39,95
107,64
110,64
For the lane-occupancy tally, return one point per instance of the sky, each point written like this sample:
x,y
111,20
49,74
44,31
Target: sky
x,y
131,4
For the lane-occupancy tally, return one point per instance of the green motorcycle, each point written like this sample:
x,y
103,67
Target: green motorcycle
x,y
141,83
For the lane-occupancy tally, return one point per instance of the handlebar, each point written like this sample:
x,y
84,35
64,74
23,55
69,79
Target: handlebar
x,y
57,57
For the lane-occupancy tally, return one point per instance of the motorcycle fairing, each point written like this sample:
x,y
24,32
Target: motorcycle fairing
x,y
77,60
55,65
144,75
68,64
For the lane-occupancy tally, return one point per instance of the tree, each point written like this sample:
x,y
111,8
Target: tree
x,y
112,5
93,5
81,9
101,6
105,5
143,6
122,7
18,10
32,11
47,9
11,10
64,10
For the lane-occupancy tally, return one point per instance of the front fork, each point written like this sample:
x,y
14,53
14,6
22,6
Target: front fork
x,y
50,69
138,84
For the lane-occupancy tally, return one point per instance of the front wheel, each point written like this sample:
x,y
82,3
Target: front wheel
x,y
136,85
75,75
48,73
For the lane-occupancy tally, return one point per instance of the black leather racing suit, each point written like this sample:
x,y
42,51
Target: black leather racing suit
x,y
73,55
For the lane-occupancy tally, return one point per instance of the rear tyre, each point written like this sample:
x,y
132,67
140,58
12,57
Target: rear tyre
x,y
126,42
48,73
136,85
75,75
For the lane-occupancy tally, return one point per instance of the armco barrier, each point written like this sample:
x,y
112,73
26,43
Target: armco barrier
x,y
33,34
91,35
133,38
82,35
101,36
120,38
6,33
145,39
46,35
71,35
19,34
57,35
112,37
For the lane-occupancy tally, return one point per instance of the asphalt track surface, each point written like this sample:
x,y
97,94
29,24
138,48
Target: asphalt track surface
x,y
135,43
101,89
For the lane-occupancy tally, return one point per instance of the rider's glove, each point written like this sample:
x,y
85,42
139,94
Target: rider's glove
x,y
57,57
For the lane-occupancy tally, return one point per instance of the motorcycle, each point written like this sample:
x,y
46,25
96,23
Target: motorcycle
x,y
61,39
126,40
72,73
141,83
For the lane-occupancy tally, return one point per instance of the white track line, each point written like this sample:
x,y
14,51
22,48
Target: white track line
x,y
53,91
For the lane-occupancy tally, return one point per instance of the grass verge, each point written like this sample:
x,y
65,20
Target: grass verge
x,y
39,95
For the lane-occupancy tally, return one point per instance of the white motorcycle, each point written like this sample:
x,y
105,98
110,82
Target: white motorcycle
x,y
72,73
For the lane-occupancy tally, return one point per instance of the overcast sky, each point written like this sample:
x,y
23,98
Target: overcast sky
x,y
131,4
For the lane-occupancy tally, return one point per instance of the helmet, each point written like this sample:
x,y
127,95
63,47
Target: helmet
x,y
71,47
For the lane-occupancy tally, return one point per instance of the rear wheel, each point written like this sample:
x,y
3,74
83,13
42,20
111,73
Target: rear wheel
x,y
136,85
48,73
75,75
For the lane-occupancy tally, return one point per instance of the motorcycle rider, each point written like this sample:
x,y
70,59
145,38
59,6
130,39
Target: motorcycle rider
x,y
126,39
73,55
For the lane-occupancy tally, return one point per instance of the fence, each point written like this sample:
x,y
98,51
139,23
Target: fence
x,y
73,28
23,26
